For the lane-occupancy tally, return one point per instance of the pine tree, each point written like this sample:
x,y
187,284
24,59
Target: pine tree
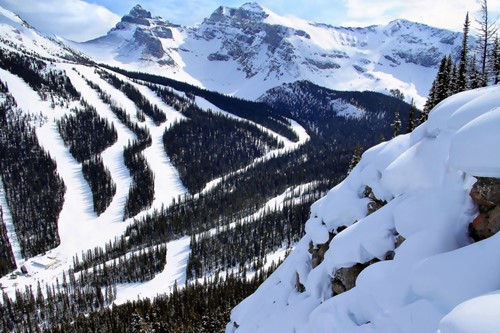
x,y
412,121
440,88
396,125
495,61
429,103
474,75
462,75
356,157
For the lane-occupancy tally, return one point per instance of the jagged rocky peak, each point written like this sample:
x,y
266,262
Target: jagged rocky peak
x,y
138,15
248,12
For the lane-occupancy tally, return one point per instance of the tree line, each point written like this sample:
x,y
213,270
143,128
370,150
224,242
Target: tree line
x,y
48,82
477,67
143,104
87,135
260,113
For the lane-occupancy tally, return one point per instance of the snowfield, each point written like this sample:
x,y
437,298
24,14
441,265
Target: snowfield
x,y
439,280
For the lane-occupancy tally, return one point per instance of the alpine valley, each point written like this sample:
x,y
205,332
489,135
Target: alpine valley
x,y
153,178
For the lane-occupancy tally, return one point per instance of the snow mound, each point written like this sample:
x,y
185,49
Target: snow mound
x,y
423,273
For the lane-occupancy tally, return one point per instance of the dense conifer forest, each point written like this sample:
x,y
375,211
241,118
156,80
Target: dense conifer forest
x,y
85,133
7,261
246,245
207,145
49,83
34,191
101,184
203,146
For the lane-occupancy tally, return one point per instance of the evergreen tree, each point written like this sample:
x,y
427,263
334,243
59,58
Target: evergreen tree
x,y
445,74
429,103
356,157
495,61
412,122
439,89
462,75
475,80
396,125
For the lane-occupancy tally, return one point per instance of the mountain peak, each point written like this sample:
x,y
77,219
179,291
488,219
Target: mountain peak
x,y
250,11
137,15
140,12
253,7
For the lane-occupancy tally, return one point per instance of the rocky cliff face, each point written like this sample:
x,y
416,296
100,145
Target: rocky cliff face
x,y
138,36
244,37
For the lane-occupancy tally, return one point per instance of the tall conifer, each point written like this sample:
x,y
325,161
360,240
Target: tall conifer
x,y
462,75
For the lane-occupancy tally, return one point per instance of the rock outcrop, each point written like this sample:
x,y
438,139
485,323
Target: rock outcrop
x,y
486,194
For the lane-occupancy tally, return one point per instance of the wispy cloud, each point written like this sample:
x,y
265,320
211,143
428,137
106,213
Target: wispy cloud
x,y
84,19
73,19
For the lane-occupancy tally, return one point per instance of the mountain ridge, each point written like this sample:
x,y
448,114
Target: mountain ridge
x,y
247,50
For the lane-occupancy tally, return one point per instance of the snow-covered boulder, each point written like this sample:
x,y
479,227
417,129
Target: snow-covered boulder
x,y
422,271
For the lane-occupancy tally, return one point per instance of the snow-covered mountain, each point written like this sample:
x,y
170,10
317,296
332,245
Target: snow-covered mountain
x,y
17,35
247,50
392,248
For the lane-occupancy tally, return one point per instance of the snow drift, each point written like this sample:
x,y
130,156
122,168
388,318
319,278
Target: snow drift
x,y
422,272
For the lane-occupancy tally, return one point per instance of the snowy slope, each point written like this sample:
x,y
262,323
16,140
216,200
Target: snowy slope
x,y
79,227
17,34
438,278
248,50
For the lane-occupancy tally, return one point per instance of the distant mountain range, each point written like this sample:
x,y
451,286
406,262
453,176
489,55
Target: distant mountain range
x,y
247,50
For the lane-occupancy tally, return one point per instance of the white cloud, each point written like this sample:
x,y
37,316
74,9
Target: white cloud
x,y
72,19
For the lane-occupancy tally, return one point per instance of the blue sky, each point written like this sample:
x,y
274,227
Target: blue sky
x,y
85,19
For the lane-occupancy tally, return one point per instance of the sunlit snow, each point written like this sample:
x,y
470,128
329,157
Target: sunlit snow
x,y
438,278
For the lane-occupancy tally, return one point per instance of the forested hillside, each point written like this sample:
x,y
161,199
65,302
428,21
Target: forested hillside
x,y
139,191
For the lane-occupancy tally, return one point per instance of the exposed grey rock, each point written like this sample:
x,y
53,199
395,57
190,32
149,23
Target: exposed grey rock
x,y
375,203
152,44
426,57
323,64
298,285
163,32
138,15
359,69
344,279
318,252
218,57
